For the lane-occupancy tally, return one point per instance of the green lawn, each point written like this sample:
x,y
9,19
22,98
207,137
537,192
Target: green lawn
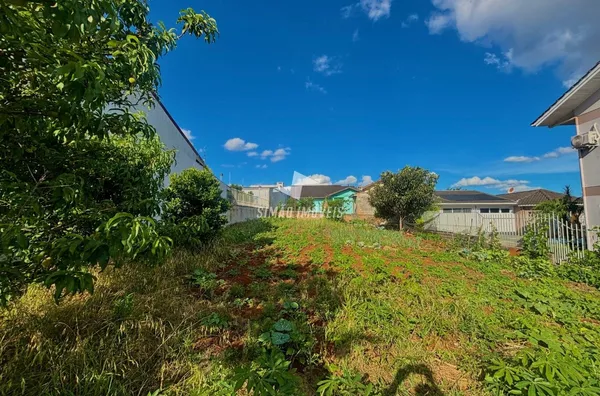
x,y
299,305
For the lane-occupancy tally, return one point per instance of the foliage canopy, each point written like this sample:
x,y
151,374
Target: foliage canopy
x,y
404,196
193,207
80,169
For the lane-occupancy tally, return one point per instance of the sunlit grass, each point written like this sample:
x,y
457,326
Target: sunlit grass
x,y
404,313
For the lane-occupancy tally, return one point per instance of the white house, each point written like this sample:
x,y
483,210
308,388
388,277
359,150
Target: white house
x,y
580,106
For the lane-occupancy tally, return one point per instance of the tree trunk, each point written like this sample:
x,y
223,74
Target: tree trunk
x,y
400,224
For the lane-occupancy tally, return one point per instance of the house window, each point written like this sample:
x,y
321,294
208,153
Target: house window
x,y
457,210
494,210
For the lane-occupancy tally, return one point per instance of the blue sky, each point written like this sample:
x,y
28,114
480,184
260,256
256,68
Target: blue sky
x,y
344,90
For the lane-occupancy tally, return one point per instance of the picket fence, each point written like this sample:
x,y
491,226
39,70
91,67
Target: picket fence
x,y
564,237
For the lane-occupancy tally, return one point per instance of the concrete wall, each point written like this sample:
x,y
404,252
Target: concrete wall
x,y
170,134
268,196
363,207
587,115
238,213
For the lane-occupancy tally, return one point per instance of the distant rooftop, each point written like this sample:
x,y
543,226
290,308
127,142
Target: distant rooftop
x,y
321,191
532,197
470,196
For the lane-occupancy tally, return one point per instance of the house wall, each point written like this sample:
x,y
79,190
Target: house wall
x,y
347,195
587,115
363,207
268,196
169,133
476,207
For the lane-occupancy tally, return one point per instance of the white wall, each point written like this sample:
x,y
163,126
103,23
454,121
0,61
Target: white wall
x,y
471,222
170,134
589,162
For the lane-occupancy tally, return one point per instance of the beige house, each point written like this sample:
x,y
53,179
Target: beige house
x,y
580,106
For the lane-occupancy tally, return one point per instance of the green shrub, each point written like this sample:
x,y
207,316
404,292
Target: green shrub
x,y
206,282
535,241
584,269
193,209
73,152
269,374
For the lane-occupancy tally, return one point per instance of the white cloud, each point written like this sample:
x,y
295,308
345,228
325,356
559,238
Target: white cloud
x,y
327,65
409,20
375,9
559,152
489,182
252,154
536,33
266,154
263,166
311,86
366,180
187,133
347,181
277,155
347,11
503,64
521,158
237,144
355,36
312,180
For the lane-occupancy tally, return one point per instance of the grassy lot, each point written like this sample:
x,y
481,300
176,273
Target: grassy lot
x,y
301,306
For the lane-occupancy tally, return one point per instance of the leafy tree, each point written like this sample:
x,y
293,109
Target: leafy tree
x,y
236,187
307,203
80,171
565,208
403,197
193,207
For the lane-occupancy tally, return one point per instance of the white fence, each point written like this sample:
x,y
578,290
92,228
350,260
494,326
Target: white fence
x,y
564,237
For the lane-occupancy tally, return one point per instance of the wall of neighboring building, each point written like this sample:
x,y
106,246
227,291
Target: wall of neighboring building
x,y
262,193
346,195
587,115
187,157
363,207
168,131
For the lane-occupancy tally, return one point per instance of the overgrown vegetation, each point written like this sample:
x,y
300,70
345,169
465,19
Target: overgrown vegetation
x,y
80,168
566,208
311,307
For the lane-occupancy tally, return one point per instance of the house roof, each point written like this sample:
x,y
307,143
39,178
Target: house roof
x,y
470,196
561,111
532,197
370,186
322,191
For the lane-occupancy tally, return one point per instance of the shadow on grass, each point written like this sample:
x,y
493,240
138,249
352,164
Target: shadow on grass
x,y
428,388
